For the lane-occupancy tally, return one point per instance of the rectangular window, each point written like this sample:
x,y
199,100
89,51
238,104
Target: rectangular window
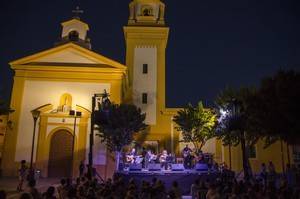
x,y
144,98
251,151
145,68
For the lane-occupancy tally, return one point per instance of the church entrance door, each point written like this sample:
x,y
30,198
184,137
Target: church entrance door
x,y
60,156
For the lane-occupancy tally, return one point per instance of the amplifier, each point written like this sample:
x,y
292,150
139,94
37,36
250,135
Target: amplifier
x,y
135,167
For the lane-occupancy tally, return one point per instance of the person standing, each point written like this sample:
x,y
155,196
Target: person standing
x,y
147,159
81,169
186,154
264,173
144,154
272,173
23,172
163,159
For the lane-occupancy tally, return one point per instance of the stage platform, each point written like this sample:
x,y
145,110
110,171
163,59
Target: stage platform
x,y
184,178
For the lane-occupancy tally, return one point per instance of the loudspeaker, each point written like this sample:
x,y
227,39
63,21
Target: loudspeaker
x,y
72,112
135,167
154,167
78,114
177,167
201,167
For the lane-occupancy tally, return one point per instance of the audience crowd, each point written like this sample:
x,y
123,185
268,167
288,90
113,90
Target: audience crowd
x,y
266,185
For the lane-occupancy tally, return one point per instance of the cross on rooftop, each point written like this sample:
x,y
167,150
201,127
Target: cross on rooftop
x,y
77,12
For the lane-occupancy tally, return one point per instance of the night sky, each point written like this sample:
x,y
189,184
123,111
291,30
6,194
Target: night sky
x,y
212,43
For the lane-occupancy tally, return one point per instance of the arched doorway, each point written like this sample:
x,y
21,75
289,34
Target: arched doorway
x,y
60,155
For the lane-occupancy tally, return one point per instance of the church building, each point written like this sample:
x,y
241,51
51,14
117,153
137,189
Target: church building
x,y
66,77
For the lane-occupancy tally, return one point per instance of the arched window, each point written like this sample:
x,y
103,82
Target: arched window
x,y
147,11
73,35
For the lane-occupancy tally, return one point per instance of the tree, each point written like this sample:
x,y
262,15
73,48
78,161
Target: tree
x,y
196,124
234,126
277,115
117,125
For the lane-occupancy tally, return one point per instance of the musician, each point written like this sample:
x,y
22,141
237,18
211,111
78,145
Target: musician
x,y
144,161
200,157
187,156
171,158
131,156
163,159
133,152
149,158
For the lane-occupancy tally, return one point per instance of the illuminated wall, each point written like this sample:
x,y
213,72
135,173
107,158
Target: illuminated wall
x,y
145,82
37,93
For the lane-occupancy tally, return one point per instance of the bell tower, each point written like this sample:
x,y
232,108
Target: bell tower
x,y
75,31
146,39
146,12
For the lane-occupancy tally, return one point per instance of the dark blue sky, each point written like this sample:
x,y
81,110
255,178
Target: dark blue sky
x,y
212,44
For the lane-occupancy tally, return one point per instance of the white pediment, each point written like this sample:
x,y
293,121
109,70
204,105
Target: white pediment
x,y
67,56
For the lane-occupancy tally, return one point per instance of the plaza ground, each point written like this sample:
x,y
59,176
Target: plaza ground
x,y
9,185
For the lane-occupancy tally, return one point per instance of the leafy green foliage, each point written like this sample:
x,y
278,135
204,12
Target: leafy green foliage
x,y
117,125
196,124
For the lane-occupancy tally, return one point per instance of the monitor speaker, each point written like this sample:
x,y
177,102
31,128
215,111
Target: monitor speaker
x,y
201,167
177,167
78,114
154,167
135,167
72,112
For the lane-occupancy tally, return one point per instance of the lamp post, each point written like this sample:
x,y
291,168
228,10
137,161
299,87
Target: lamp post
x,y
75,114
35,114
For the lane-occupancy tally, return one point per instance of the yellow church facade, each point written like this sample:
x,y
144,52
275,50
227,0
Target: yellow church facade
x,y
66,77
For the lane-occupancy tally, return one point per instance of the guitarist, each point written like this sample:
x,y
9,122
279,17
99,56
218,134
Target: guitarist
x,y
131,156
187,156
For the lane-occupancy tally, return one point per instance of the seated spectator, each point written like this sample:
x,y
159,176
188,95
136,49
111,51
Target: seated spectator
x,y
212,192
202,191
60,189
2,194
49,194
32,190
72,193
25,196
195,189
175,191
